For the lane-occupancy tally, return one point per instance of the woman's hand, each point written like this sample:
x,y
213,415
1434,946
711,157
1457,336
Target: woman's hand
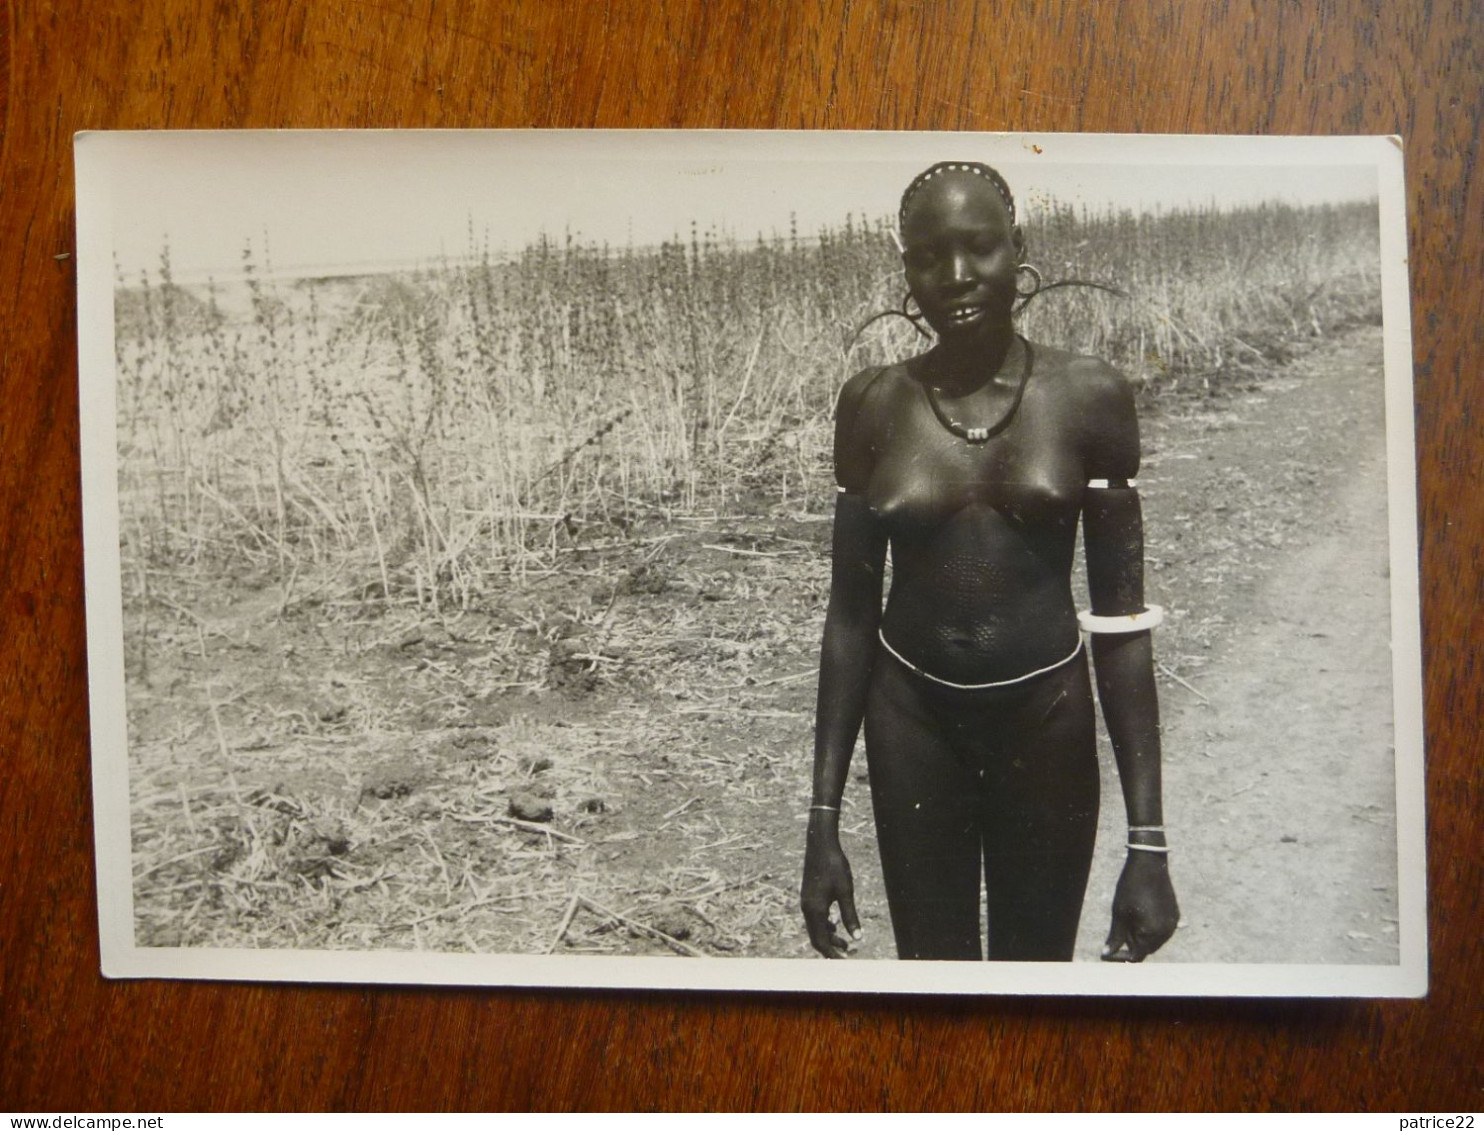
x,y
827,881
1145,913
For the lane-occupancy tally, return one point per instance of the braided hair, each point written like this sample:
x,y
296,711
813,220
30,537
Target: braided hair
x,y
973,167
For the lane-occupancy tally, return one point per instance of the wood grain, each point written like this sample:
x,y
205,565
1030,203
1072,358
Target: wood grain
x,y
71,1041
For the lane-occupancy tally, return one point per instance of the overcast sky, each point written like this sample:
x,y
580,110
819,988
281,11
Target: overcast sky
x,y
332,201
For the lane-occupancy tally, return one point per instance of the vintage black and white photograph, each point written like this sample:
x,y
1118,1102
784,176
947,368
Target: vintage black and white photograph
x,y
792,561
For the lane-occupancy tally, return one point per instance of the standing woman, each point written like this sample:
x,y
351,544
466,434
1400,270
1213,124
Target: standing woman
x,y
972,462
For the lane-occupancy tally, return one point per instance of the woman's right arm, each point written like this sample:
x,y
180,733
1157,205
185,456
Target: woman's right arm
x,y
846,658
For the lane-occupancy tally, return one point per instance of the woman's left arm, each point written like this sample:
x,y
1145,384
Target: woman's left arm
x,y
1145,911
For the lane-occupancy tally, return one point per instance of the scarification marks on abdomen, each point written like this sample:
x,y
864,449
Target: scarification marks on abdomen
x,y
968,573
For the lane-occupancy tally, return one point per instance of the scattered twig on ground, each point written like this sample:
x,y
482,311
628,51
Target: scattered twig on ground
x,y
643,928
515,822
749,553
566,922
713,924
461,909
153,868
782,679
1183,683
720,886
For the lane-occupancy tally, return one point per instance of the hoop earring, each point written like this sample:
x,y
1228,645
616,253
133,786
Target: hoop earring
x,y
900,312
1036,283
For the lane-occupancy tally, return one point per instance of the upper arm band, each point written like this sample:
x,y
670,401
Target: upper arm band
x,y
1129,622
1105,484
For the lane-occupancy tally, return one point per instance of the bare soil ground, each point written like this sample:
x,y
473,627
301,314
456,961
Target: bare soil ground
x,y
612,755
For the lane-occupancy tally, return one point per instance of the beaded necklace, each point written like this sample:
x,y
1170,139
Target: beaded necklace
x,y
982,435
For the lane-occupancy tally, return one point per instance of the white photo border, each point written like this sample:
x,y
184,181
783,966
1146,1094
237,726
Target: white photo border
x,y
100,156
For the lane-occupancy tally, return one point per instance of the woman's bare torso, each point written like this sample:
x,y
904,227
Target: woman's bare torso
x,y
982,535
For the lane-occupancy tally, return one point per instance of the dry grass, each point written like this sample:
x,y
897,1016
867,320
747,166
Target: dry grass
x,y
391,842
615,741
420,435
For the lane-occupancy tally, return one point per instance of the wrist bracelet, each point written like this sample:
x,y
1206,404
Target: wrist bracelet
x,y
825,808
1162,849
1146,828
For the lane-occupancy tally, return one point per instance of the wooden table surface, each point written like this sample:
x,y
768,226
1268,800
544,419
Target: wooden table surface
x,y
71,1041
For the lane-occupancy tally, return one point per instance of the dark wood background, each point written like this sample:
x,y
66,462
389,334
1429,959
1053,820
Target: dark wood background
x,y
71,1041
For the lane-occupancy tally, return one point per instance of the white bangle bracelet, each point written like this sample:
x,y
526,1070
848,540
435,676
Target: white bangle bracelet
x,y
1129,622
1163,849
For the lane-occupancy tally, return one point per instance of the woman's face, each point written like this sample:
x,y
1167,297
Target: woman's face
x,y
960,251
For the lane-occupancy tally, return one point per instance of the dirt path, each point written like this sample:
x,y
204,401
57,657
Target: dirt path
x,y
1282,787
